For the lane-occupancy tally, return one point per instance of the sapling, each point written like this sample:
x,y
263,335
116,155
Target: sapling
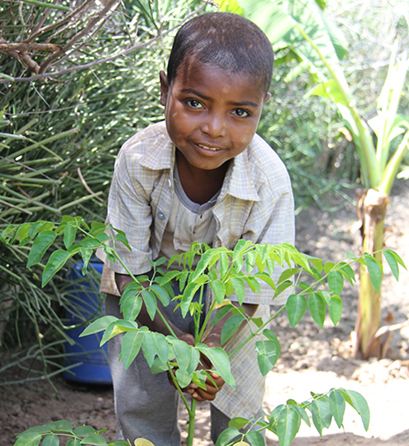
x,y
225,272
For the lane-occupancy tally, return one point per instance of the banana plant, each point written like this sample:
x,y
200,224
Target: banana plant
x,y
379,168
226,272
286,23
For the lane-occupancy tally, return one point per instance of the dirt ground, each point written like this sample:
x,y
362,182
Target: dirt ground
x,y
312,359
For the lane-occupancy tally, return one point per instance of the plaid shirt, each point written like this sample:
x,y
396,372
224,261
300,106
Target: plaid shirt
x,y
255,203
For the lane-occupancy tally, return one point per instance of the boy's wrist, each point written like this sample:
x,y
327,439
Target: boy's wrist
x,y
213,338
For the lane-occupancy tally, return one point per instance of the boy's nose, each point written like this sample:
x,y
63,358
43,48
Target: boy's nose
x,y
214,125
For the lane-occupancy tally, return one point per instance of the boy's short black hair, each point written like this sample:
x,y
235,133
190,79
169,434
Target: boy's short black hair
x,y
226,40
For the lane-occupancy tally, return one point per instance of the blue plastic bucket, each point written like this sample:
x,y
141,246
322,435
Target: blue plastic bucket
x,y
89,360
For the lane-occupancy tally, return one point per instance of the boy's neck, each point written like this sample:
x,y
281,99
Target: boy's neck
x,y
199,185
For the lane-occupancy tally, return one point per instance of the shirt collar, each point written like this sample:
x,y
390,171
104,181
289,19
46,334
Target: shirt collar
x,y
239,181
163,157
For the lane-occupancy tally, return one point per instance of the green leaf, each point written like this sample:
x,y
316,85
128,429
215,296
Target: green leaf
x,y
288,424
98,325
238,422
219,290
303,414
230,327
347,272
202,264
393,259
116,328
337,406
94,439
358,402
161,347
267,279
90,243
255,438
224,264
187,297
150,303
282,287
267,355
148,347
336,282
239,289
393,264
316,305
43,241
122,238
328,267
321,414
226,436
286,274
73,443
250,261
295,306
335,309
69,236
84,431
161,294
28,439
182,354
221,313
131,302
56,261
218,357
51,440
86,257
270,335
374,270
60,425
131,345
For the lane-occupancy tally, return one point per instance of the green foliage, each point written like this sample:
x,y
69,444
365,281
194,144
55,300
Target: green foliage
x,y
50,434
222,269
63,117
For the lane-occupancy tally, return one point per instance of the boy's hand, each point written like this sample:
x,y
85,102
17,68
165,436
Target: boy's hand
x,y
212,387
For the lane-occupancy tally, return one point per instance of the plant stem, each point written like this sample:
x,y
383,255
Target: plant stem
x,y
191,426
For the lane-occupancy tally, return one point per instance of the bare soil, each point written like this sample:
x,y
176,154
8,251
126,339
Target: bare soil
x,y
312,359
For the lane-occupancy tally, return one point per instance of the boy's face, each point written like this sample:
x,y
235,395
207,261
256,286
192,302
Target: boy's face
x,y
211,114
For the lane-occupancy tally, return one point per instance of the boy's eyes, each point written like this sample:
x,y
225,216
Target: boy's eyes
x,y
239,112
194,103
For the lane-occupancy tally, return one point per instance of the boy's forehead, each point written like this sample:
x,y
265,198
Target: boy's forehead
x,y
192,69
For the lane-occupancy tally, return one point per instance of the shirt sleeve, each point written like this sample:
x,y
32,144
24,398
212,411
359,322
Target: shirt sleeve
x,y
129,210
278,228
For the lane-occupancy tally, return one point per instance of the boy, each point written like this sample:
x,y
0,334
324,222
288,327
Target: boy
x,y
201,175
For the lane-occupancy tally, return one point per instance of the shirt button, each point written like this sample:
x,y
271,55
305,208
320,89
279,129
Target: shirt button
x,y
161,215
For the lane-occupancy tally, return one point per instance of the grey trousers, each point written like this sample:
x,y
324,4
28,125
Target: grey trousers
x,y
146,405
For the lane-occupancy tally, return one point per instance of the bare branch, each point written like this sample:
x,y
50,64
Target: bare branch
x,y
51,26
105,60
84,183
91,24
30,47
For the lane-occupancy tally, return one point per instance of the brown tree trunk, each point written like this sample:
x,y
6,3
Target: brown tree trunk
x,y
371,212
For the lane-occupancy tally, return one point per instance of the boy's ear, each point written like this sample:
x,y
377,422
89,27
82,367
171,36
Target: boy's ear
x,y
267,97
164,87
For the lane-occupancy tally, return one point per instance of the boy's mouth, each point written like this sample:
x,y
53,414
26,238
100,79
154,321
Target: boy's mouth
x,y
213,149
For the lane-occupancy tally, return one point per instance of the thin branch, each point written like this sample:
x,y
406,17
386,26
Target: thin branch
x,y
51,26
86,185
43,18
29,47
75,50
91,24
107,59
